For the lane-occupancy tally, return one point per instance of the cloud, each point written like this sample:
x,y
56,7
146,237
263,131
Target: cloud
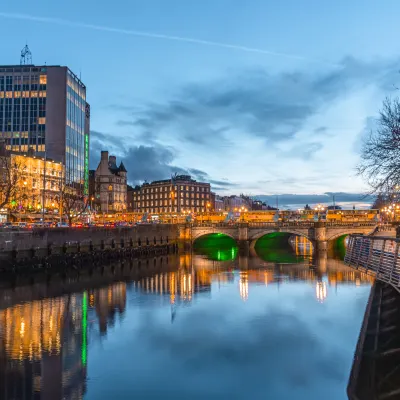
x,y
147,163
326,198
304,150
255,104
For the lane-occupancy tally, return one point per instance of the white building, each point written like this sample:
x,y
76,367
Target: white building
x,y
111,184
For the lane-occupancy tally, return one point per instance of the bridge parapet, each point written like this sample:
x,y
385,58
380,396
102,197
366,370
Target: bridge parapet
x,y
377,256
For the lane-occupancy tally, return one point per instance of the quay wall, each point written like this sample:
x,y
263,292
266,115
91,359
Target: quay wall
x,y
40,243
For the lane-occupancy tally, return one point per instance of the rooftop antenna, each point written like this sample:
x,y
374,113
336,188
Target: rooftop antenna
x,y
26,56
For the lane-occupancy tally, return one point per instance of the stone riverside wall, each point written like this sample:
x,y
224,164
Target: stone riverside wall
x,y
41,243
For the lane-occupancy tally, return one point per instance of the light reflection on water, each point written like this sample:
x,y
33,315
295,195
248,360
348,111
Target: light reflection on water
x,y
185,327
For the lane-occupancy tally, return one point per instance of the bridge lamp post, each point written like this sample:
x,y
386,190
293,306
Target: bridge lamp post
x,y
318,209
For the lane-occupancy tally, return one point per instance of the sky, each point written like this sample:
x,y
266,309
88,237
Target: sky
x,y
257,97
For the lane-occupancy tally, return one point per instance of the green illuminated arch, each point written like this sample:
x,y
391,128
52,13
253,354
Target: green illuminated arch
x,y
216,246
275,247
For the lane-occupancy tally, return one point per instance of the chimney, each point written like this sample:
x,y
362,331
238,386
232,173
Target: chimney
x,y
104,156
112,160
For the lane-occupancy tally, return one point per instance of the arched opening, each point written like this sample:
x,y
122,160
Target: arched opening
x,y
216,247
283,247
338,246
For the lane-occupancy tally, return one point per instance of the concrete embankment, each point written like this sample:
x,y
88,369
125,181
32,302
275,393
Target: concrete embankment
x,y
48,247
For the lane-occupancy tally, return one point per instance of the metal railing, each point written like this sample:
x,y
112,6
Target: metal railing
x,y
378,256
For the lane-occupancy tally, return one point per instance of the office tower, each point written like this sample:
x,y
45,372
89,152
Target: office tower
x,y
45,108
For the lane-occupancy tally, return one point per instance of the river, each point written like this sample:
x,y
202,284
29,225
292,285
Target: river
x,y
209,325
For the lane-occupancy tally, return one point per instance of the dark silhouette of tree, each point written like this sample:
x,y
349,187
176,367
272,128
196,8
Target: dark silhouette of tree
x,y
380,156
11,173
71,202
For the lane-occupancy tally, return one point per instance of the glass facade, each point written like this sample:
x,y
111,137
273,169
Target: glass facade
x,y
27,93
23,95
77,140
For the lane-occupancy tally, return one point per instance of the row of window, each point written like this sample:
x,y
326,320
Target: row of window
x,y
176,187
183,202
171,195
24,94
169,209
24,148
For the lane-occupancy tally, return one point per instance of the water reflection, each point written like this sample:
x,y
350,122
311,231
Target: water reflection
x,y
46,346
43,349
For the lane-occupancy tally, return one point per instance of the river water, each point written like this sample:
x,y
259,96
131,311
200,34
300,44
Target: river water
x,y
208,325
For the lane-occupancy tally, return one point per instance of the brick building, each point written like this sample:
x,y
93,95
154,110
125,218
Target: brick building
x,y
178,194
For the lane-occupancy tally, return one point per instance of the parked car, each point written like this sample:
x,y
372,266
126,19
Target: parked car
x,y
62,225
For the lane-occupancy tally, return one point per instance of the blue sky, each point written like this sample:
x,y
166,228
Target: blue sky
x,y
282,108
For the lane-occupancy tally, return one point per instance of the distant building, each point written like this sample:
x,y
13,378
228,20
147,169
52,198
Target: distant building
x,y
44,108
132,195
219,204
334,208
258,205
178,194
235,203
111,184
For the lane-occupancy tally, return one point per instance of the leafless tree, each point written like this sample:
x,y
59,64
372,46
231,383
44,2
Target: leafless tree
x,y
71,202
380,156
10,176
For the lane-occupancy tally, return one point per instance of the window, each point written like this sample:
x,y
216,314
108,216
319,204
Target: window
x,y
43,79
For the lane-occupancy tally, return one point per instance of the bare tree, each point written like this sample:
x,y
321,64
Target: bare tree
x,y
380,156
10,178
71,202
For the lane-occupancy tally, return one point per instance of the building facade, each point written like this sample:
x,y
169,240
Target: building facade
x,y
110,184
179,194
37,182
236,203
219,204
45,108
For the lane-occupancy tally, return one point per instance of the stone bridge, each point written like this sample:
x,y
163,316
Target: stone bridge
x,y
247,234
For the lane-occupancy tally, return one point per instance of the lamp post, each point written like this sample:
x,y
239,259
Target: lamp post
x,y
318,209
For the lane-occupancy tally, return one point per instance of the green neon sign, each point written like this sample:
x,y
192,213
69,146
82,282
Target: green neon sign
x,y
86,166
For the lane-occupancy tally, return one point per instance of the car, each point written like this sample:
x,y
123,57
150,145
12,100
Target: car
x,y
22,225
62,225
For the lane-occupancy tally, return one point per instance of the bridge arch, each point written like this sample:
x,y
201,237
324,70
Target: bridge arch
x,y
257,235
199,235
333,236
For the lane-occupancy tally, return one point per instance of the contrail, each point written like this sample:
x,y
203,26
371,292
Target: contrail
x,y
58,21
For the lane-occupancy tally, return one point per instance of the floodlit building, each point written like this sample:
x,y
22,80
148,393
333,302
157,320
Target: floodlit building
x,y
111,184
178,194
45,108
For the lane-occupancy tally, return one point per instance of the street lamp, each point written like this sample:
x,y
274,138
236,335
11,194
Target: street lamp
x,y
319,208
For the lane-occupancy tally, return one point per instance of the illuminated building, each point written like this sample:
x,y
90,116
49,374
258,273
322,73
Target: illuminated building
x,y
178,194
44,108
38,180
110,184
219,203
